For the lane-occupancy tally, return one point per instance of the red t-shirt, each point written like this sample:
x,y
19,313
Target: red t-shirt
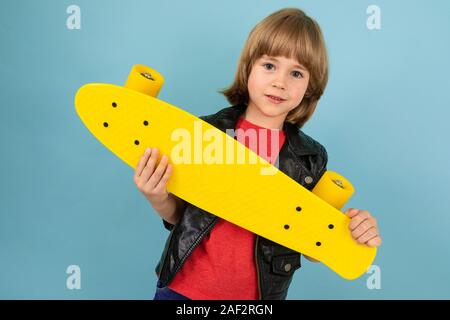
x,y
222,266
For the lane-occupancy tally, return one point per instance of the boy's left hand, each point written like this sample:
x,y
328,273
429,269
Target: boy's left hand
x,y
364,227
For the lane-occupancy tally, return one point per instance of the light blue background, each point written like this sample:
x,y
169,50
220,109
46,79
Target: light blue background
x,y
65,199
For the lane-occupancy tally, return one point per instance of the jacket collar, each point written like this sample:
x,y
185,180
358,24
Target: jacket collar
x,y
296,140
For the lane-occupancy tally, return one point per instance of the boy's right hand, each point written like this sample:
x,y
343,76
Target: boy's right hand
x,y
150,179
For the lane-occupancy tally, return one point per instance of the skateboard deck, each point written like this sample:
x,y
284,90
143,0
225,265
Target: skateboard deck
x,y
220,175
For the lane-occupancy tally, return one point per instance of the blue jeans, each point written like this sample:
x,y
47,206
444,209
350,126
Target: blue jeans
x,y
165,293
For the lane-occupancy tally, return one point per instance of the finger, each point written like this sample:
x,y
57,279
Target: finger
x,y
367,214
156,176
358,219
161,186
141,165
362,228
369,234
351,212
150,165
374,242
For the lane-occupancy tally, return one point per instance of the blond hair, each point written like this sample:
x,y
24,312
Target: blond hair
x,y
290,33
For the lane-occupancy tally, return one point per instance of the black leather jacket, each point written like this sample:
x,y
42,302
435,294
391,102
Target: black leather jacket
x,y
301,158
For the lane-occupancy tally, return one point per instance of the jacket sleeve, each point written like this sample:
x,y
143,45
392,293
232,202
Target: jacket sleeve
x,y
168,225
323,161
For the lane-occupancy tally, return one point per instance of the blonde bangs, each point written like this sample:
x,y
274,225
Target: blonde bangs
x,y
284,37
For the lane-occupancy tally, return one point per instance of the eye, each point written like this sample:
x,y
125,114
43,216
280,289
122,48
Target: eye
x,y
299,74
267,64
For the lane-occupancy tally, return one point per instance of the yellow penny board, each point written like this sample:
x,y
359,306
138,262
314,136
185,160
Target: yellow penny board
x,y
218,174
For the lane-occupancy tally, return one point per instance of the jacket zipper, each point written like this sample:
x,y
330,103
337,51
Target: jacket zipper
x,y
165,256
194,245
257,268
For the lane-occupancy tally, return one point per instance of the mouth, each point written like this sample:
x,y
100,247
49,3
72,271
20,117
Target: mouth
x,y
275,98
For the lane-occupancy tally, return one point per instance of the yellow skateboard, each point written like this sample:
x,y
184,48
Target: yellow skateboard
x,y
218,174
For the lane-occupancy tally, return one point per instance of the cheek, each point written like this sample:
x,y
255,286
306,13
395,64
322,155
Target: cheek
x,y
299,94
253,84
299,91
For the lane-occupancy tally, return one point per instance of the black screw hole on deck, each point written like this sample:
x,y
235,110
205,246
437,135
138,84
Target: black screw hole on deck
x,y
145,123
330,226
318,244
298,209
114,104
105,124
286,226
136,142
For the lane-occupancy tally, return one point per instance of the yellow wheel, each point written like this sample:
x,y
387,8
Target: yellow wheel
x,y
145,80
334,189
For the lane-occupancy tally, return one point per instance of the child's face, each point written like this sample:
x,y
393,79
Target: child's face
x,y
284,78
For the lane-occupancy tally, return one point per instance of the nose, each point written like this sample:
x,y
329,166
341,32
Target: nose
x,y
278,84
